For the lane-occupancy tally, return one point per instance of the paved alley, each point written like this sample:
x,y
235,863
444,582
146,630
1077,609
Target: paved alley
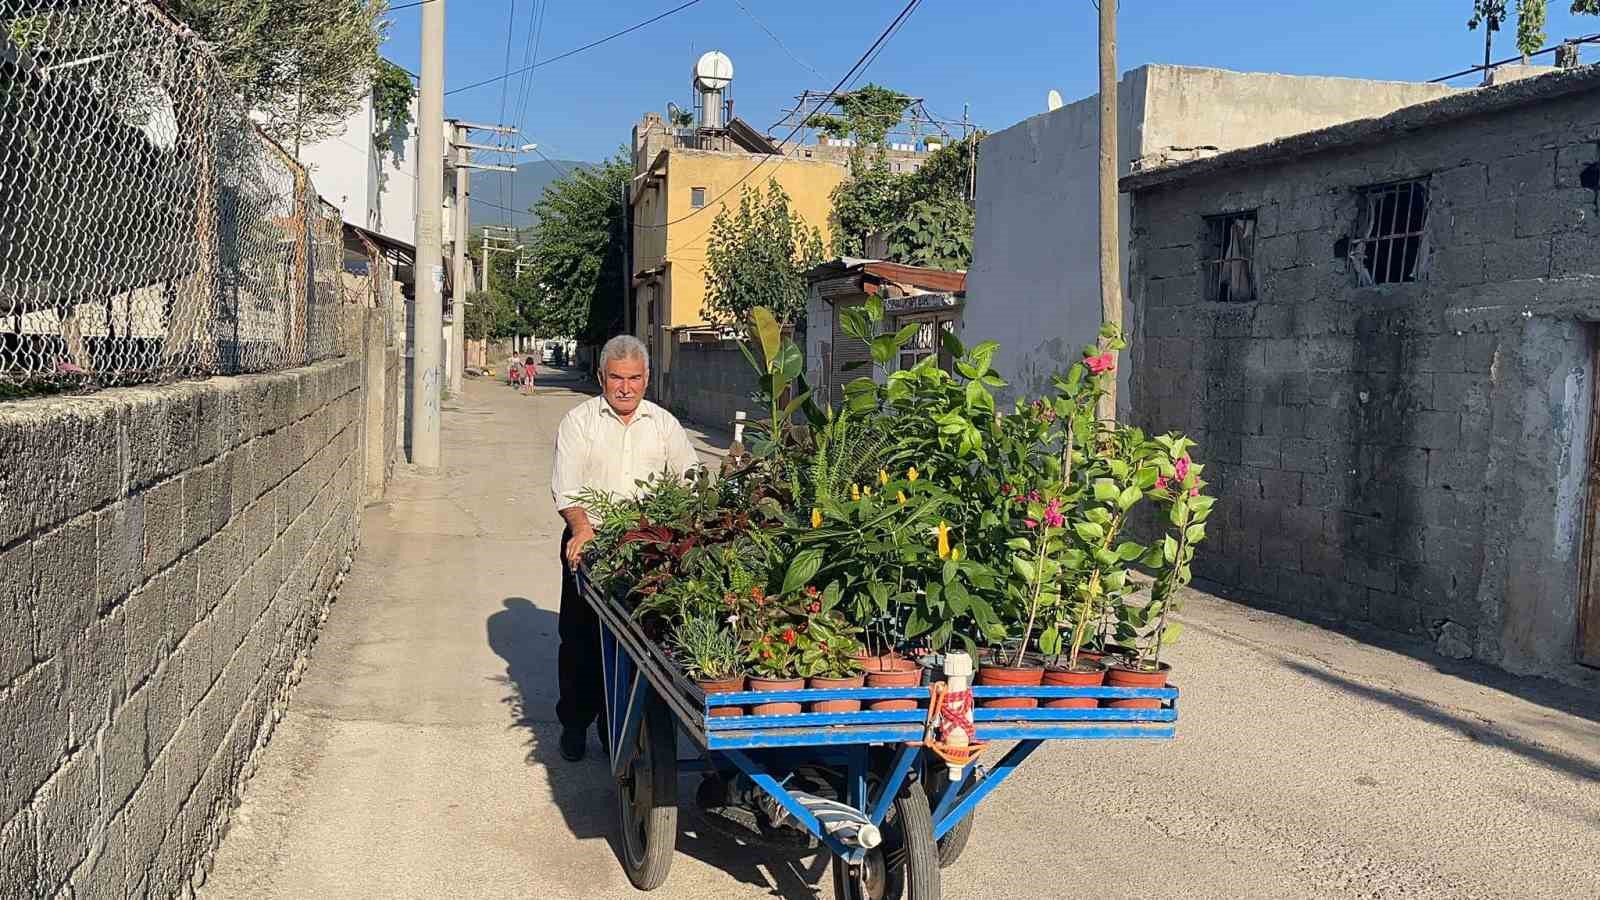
x,y
418,757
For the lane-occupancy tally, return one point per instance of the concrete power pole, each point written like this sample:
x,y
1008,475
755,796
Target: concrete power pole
x,y
429,315
1110,230
458,241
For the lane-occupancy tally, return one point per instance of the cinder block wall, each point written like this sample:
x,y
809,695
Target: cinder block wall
x,y
1408,455
166,554
711,382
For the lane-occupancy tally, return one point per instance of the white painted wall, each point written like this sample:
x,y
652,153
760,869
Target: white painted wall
x,y
374,187
1034,284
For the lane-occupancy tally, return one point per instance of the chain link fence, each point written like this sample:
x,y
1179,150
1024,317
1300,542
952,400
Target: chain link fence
x,y
148,229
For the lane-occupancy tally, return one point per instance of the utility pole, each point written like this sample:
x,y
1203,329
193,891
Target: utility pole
x,y
1110,230
464,165
429,311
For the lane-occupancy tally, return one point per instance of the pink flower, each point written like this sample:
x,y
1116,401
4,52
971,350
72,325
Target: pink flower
x,y
1105,362
1194,492
1053,516
1034,496
1030,523
1161,482
1181,467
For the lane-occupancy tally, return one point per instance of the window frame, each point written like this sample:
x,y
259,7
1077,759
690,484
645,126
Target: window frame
x,y
1218,236
1371,232
697,193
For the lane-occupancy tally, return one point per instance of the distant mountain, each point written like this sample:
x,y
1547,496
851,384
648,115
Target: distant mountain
x,y
520,191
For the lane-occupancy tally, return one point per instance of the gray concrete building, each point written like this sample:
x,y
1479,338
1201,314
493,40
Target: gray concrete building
x,y
1035,261
1383,334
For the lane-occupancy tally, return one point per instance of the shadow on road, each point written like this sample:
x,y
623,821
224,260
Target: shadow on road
x,y
1473,729
525,636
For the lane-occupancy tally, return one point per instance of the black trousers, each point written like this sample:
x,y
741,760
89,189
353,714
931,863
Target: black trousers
x,y
582,686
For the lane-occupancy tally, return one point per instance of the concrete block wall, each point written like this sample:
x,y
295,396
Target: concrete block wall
x,y
166,554
1409,455
711,382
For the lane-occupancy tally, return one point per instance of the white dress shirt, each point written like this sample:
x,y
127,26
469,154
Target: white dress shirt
x,y
594,449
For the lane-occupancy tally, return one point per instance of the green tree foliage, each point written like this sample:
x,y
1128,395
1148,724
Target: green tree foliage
x,y
392,93
926,214
866,114
1531,18
303,64
492,314
757,256
573,276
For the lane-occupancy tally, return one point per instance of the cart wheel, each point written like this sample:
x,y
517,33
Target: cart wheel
x,y
647,795
905,866
954,840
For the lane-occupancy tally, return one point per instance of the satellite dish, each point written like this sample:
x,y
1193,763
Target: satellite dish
x,y
1052,101
713,70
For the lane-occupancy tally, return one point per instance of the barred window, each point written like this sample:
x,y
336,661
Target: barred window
x,y
1390,245
1229,262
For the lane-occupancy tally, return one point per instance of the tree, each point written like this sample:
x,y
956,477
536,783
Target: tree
x,y
573,278
757,256
304,65
1531,18
491,314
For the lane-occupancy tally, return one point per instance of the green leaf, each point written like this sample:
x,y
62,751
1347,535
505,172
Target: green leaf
x,y
951,344
1019,543
956,598
853,321
1194,534
768,330
1129,497
1023,567
1169,548
806,563
1105,490
884,349
874,308
1050,642
1169,634
791,362
1089,532
905,334
1180,512
1128,550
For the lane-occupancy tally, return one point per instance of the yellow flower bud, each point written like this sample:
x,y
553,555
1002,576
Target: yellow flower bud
x,y
944,540
901,496
883,476
866,492
955,553
855,492
816,517
911,474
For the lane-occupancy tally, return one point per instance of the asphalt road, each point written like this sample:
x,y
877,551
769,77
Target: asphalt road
x,y
419,756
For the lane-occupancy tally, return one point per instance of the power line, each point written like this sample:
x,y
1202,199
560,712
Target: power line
x,y
856,70
576,50
505,86
407,5
777,40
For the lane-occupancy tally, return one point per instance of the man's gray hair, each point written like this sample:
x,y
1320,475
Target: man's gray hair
x,y
624,346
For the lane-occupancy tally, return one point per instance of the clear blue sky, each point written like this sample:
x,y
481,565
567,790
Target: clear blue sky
x,y
1000,56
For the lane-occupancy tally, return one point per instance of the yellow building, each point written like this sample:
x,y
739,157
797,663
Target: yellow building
x,y
676,194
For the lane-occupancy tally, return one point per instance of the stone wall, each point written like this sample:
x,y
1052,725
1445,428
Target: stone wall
x,y
166,554
1409,455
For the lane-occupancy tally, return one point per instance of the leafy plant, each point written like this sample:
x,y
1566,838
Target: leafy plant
x,y
575,276
708,650
392,95
758,254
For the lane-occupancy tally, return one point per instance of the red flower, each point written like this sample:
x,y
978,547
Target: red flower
x,y
789,636
757,593
811,590
815,607
766,654
1105,362
1006,489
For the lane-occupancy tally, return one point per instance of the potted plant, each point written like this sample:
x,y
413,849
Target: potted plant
x,y
1145,628
710,655
775,666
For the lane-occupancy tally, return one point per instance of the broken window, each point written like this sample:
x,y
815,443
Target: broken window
x,y
697,197
1230,257
1391,235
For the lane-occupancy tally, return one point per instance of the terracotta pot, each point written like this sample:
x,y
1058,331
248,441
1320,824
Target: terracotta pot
x,y
723,686
1089,673
1128,676
776,684
892,671
834,684
1010,676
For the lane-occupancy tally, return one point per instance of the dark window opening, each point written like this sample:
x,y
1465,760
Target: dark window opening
x,y
697,197
1229,263
1391,237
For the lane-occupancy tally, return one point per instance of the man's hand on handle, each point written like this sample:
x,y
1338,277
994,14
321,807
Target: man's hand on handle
x,y
582,534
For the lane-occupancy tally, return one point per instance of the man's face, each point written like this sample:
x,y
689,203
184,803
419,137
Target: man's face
x,y
625,381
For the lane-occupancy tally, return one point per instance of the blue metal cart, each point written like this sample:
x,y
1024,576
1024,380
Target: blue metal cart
x,y
859,783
